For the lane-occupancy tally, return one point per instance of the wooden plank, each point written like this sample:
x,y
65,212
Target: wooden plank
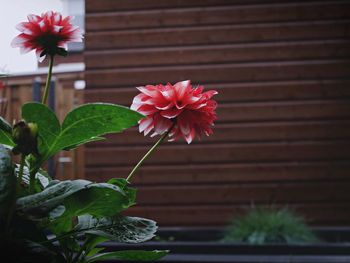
x,y
169,17
225,153
216,215
247,132
282,135
277,193
281,111
219,34
246,92
108,5
218,54
238,72
225,173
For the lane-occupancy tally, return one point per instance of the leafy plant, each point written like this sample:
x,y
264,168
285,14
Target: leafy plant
x,y
269,225
45,220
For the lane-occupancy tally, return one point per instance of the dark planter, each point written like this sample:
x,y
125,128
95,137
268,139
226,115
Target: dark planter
x,y
203,245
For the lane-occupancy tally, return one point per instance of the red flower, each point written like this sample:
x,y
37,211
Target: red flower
x,y
47,34
191,111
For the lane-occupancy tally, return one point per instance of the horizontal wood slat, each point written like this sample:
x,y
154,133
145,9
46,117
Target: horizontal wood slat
x,y
205,35
108,5
240,193
238,72
282,137
247,132
219,54
215,215
277,111
238,92
217,15
226,173
221,153
286,110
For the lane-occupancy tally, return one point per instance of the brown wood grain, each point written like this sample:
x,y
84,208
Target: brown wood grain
x,y
246,132
283,110
218,215
282,70
238,92
219,34
209,73
206,174
170,17
221,153
218,53
108,5
241,193
286,110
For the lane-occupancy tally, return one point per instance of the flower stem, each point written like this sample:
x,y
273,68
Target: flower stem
x,y
48,81
32,180
20,173
150,151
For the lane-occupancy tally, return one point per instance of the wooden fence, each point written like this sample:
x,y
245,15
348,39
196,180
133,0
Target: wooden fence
x,y
282,70
19,90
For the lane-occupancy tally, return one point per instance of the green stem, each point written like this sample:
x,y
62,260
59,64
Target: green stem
x,y
20,173
32,180
48,81
76,259
150,151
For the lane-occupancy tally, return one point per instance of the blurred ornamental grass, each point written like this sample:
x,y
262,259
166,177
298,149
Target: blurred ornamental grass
x,y
269,225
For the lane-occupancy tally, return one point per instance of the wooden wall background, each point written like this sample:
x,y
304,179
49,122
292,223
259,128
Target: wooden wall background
x,y
19,90
282,70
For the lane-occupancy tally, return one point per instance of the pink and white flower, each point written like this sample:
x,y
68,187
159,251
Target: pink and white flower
x,y
47,34
184,110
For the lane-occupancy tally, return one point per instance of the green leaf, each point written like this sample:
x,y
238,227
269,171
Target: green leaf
x,y
97,199
94,139
123,184
120,229
7,184
88,121
6,133
61,202
82,125
131,255
6,139
94,251
91,242
42,179
40,204
49,127
71,243
5,126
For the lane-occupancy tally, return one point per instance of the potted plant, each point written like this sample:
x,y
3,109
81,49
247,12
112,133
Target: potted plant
x,y
46,220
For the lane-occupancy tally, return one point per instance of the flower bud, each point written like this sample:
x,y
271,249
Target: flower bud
x,y
25,135
33,127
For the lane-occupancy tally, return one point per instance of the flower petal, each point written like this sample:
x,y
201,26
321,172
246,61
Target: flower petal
x,y
171,113
149,90
181,88
192,111
145,123
161,124
45,33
